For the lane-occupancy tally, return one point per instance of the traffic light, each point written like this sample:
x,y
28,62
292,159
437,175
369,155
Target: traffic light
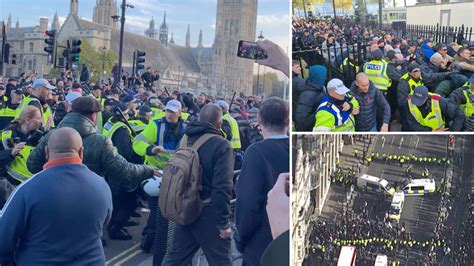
x,y
74,53
139,60
51,48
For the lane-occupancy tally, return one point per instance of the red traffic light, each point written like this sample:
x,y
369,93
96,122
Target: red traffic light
x,y
50,33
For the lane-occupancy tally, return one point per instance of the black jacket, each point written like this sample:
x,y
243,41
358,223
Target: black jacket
x,y
99,155
309,98
217,160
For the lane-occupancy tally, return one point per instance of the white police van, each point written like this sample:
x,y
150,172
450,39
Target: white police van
x,y
397,206
419,186
374,184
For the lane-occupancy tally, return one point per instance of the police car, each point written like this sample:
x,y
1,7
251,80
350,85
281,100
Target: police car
x,y
375,184
419,186
396,207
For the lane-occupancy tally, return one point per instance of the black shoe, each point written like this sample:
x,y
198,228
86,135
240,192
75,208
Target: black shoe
x,y
121,234
136,215
131,223
146,243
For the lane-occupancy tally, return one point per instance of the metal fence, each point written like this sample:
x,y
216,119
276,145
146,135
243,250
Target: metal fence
x,y
333,56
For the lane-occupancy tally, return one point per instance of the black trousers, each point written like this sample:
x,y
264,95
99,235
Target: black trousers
x,y
124,204
160,229
203,234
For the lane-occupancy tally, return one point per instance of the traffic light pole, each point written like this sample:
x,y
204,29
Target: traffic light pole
x,y
122,28
4,39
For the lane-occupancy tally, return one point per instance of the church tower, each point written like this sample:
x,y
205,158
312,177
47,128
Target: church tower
x,y
172,40
188,38
200,40
8,26
103,12
74,7
151,32
235,20
164,32
55,25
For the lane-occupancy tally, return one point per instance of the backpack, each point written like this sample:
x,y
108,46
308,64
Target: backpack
x,y
179,197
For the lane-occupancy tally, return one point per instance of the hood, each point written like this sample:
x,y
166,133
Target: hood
x,y
198,128
317,75
80,123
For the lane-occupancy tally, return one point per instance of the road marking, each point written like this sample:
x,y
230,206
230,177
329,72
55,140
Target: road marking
x,y
123,253
401,142
383,141
418,139
391,143
128,257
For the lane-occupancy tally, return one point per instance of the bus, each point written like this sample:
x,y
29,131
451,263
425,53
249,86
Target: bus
x,y
347,257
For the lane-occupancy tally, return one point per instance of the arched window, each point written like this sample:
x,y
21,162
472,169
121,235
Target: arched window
x,y
31,46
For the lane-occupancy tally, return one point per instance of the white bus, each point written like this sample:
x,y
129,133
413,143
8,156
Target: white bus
x,y
347,256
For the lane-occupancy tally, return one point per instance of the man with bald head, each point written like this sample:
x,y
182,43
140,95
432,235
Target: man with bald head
x,y
56,217
373,105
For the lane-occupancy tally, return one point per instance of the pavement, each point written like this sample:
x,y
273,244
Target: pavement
x,y
128,253
420,213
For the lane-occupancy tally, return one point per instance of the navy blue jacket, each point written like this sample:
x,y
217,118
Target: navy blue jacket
x,y
372,104
56,218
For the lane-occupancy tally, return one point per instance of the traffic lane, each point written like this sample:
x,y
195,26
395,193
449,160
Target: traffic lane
x,y
120,250
420,214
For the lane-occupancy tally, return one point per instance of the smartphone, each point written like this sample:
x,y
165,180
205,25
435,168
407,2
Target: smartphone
x,y
251,50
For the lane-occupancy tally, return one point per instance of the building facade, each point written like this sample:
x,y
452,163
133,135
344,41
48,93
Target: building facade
x,y
315,158
103,12
27,45
235,20
452,13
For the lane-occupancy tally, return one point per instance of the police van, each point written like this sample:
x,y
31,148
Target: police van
x,y
419,186
396,207
374,184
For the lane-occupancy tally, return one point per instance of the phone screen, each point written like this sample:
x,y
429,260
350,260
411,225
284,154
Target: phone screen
x,y
251,50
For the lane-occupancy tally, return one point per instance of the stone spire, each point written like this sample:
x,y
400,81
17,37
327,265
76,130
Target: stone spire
x,y
74,7
163,31
172,40
188,38
55,25
200,39
9,22
17,23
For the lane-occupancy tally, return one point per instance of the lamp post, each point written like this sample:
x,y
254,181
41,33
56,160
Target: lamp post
x,y
122,28
179,76
260,38
103,62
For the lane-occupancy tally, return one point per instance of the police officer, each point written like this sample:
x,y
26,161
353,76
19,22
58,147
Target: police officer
x,y
38,96
18,140
349,67
464,97
157,142
335,113
142,120
8,112
376,70
124,196
431,112
3,96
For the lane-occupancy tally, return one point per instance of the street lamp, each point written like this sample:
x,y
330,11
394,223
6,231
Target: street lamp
x,y
179,76
260,38
122,28
103,63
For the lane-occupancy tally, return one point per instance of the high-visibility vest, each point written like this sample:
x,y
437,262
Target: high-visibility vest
x,y
153,134
343,121
100,124
434,119
157,113
411,82
110,128
8,112
17,169
469,106
234,127
26,101
346,62
3,101
377,72
137,125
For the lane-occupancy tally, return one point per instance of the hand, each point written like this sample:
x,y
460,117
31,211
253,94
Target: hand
x,y
346,106
49,122
384,128
356,111
225,233
278,206
277,58
441,130
157,149
18,147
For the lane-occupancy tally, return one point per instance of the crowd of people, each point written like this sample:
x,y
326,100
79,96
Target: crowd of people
x,y
130,134
379,81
